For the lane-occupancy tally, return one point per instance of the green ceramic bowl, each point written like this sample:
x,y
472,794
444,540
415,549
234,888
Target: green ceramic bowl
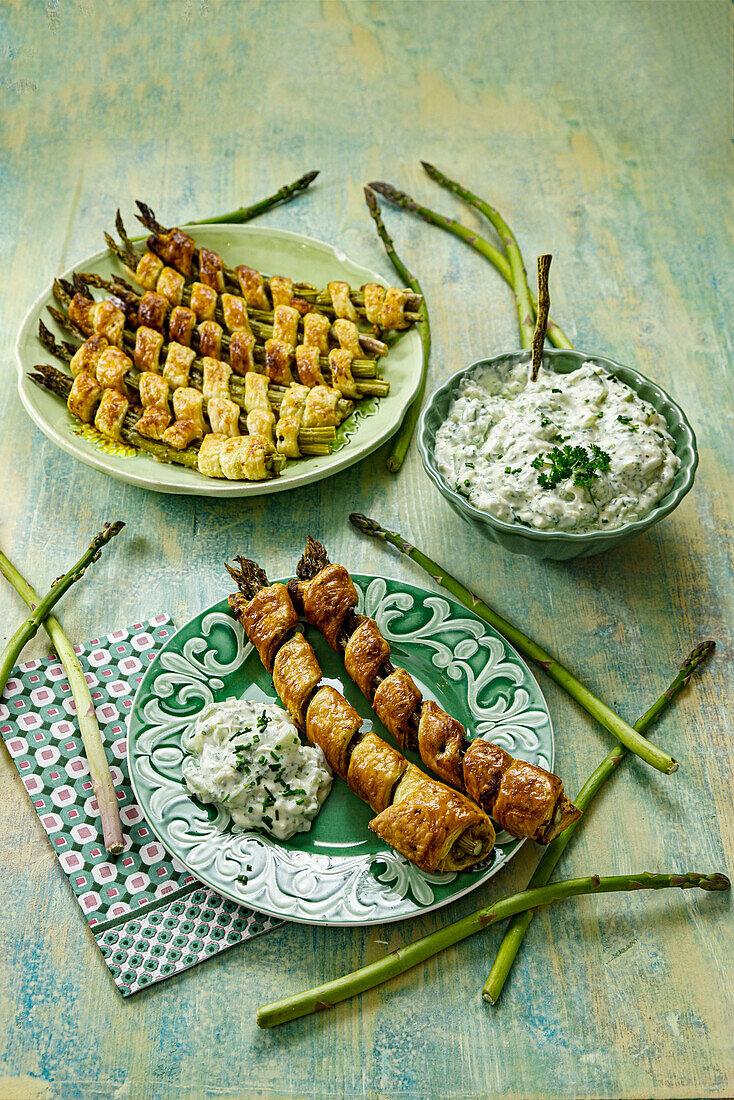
x,y
560,545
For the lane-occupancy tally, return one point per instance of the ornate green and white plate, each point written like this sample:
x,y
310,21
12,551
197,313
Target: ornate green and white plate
x,y
272,250
339,873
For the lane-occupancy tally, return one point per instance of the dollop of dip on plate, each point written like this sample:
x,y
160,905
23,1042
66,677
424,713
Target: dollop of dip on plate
x,y
569,452
247,758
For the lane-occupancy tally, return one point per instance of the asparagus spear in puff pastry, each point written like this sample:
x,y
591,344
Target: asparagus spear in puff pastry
x,y
434,827
178,249
522,798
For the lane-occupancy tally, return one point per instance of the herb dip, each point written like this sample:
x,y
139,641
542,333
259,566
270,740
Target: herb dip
x,y
247,758
569,452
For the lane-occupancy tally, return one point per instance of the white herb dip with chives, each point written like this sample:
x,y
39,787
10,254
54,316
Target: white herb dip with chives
x,y
511,446
247,758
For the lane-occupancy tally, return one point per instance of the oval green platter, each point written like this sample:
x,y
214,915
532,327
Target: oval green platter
x,y
339,873
275,251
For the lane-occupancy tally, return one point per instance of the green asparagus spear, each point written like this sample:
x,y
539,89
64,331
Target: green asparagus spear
x,y
247,213
30,627
401,442
496,258
99,768
397,962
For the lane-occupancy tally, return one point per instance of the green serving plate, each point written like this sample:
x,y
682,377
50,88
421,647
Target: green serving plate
x,y
339,873
274,251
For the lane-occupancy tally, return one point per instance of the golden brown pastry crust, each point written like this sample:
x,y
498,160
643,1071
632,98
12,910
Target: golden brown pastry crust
x,y
374,769
316,328
181,433
241,351
483,767
181,325
112,366
440,743
327,599
152,310
364,654
153,422
84,396
395,701
268,618
86,357
252,286
110,414
148,344
425,821
171,285
278,357
281,291
178,364
235,313
296,672
203,302
224,416
332,724
210,340
109,321
175,248
148,269
526,799
208,457
211,269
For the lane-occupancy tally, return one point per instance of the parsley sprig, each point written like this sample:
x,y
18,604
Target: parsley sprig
x,y
571,462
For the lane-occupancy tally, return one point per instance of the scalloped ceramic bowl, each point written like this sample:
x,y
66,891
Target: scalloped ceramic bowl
x,y
560,545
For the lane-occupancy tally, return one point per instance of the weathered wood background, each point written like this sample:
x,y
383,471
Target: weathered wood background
x,y
603,132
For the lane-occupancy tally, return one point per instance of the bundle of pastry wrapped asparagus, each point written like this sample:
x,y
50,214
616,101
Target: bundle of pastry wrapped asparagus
x,y
435,827
225,370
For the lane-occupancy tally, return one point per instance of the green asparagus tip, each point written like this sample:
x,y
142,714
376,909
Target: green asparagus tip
x,y
714,882
366,525
394,195
698,654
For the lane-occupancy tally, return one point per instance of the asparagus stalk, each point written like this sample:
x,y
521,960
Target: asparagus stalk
x,y
541,324
578,691
517,267
247,213
516,929
479,244
397,962
30,627
401,442
99,769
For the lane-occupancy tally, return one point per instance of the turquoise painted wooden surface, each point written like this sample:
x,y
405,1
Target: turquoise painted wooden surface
x,y
603,133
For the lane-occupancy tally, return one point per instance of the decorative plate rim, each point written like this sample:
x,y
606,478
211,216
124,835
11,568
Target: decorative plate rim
x,y
365,580
185,485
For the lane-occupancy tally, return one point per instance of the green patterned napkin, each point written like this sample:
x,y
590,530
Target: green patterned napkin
x,y
150,917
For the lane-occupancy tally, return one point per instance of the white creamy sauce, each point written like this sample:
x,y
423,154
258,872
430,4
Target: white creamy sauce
x,y
247,758
504,440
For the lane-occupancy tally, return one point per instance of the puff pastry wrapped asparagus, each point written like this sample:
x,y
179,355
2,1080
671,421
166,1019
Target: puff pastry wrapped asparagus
x,y
174,249
522,798
436,828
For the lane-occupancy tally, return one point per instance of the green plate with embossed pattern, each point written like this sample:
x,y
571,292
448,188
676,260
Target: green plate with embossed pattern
x,y
339,873
271,250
